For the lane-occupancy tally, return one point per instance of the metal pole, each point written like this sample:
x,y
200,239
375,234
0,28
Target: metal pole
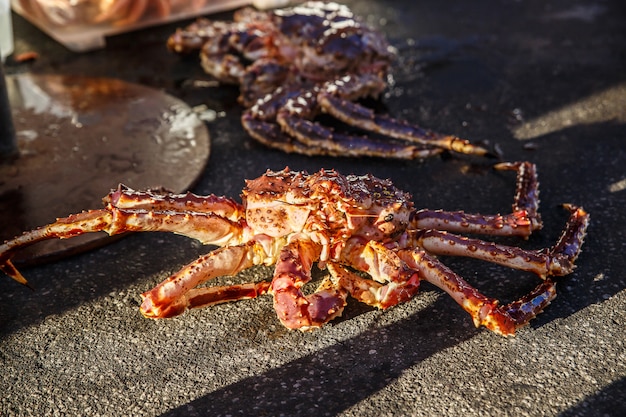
x,y
8,143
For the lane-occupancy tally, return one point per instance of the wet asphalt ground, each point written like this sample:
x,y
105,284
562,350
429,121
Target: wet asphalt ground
x,y
546,82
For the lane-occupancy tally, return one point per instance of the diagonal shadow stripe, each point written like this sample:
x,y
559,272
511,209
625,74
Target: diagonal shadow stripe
x,y
333,379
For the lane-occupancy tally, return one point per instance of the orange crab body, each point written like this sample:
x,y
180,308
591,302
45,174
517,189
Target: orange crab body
x,y
362,230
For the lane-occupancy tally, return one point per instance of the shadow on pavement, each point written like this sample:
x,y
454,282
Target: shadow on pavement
x,y
332,380
611,401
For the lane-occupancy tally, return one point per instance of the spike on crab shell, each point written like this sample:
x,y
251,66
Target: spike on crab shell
x,y
274,183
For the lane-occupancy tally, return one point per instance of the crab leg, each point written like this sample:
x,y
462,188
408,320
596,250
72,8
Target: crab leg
x,y
74,225
272,136
522,221
513,224
191,38
228,67
205,297
176,294
559,260
485,311
259,122
126,198
207,227
296,133
338,99
294,309
327,143
312,138
526,190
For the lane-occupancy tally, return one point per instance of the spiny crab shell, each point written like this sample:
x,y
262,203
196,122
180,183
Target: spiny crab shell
x,y
285,202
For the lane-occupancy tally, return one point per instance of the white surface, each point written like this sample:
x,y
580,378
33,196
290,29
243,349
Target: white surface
x,y
79,35
6,30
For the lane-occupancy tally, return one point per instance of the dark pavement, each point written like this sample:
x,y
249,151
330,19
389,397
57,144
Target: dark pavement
x,y
546,82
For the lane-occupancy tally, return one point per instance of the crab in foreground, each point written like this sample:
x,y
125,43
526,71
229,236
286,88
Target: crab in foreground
x,y
350,225
296,63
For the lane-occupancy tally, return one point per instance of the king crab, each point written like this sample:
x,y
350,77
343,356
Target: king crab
x,y
295,63
347,224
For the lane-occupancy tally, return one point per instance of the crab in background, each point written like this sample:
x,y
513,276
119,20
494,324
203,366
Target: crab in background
x,y
375,246
293,64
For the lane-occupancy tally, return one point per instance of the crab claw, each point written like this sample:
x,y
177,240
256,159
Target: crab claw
x,y
294,309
